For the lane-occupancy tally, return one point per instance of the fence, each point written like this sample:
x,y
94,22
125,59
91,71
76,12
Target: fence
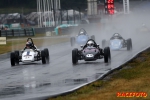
x,y
17,32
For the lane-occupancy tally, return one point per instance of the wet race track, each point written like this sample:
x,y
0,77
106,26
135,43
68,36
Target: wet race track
x,y
37,81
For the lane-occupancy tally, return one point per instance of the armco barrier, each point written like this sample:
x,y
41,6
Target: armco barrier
x,y
17,32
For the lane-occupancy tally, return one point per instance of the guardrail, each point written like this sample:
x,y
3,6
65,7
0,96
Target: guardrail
x,y
17,32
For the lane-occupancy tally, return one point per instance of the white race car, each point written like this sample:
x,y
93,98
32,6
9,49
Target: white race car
x,y
29,55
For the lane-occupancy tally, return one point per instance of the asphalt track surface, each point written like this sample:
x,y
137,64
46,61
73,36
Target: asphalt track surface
x,y
37,81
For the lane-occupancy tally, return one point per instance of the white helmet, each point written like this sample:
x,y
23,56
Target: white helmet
x,y
143,24
90,43
81,32
116,34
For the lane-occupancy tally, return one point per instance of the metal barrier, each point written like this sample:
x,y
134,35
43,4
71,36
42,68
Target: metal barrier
x,y
17,32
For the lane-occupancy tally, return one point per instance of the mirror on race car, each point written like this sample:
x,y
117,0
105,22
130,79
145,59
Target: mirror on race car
x,y
97,44
81,46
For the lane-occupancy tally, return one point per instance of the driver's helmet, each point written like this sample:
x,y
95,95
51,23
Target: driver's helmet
x,y
143,25
90,43
28,44
116,35
82,32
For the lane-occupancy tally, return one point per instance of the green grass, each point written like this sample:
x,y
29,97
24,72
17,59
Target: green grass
x,y
16,10
134,77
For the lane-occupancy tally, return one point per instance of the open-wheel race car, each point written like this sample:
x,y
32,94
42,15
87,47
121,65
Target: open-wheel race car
x,y
143,29
81,38
116,42
91,52
29,54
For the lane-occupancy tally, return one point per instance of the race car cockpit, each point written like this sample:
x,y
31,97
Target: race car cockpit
x,y
30,44
91,43
82,32
116,36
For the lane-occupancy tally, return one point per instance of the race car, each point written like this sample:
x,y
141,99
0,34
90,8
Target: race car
x,y
28,55
91,52
116,42
81,38
143,29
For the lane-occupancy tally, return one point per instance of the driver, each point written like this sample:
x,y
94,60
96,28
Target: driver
x,y
116,35
29,45
91,43
143,25
82,33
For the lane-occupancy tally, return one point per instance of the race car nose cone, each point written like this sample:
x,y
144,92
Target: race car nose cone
x,y
89,55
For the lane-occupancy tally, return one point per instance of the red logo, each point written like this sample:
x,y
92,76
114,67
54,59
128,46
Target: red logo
x,y
132,94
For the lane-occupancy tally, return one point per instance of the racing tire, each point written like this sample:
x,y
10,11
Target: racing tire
x,y
12,58
43,57
47,55
72,41
107,55
103,43
75,56
129,44
93,37
17,57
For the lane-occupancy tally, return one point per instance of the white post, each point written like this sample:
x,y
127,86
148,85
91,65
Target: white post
x,y
59,5
37,10
45,9
40,13
126,6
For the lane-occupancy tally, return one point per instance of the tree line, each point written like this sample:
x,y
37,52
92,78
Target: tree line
x,y
65,4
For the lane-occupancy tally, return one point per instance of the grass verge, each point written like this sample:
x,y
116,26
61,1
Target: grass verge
x,y
133,77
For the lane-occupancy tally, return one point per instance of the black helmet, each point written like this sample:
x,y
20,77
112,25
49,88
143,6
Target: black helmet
x,y
28,44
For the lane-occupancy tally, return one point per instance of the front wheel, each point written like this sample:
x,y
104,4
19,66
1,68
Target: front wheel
x,y
129,44
47,55
43,57
107,55
17,57
75,56
12,58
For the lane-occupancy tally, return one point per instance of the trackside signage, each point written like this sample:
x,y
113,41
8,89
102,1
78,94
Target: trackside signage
x,y
2,40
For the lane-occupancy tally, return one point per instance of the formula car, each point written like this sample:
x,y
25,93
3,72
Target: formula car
x,y
28,55
116,42
91,52
143,29
81,38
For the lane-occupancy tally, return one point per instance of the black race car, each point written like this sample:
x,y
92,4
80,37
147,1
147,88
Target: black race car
x,y
91,52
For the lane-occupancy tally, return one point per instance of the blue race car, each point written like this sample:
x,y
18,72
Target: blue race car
x,y
116,42
81,38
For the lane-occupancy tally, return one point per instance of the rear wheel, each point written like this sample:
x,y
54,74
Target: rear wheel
x,y
47,55
129,44
75,56
107,55
12,58
43,57
72,41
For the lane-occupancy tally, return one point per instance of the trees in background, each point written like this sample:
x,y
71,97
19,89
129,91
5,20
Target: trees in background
x,y
65,4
